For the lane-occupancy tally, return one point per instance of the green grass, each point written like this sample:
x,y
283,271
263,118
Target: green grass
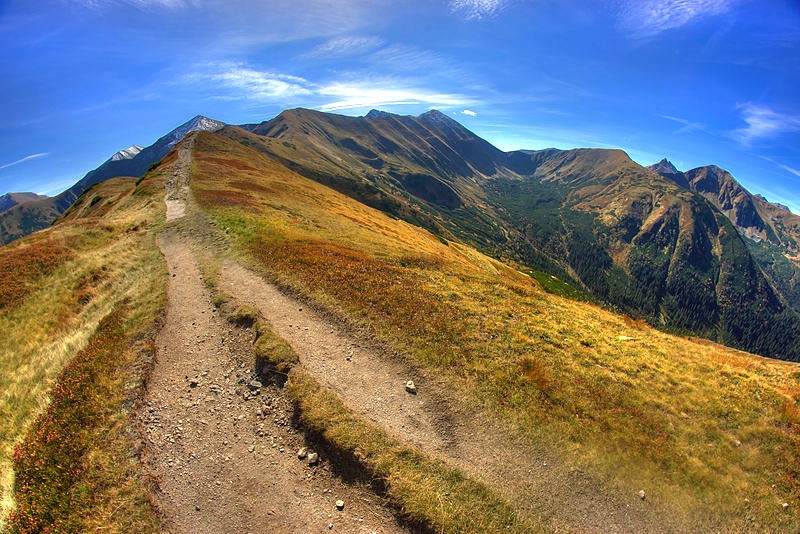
x,y
556,286
272,352
701,426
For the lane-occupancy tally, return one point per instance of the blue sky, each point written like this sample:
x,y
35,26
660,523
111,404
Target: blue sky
x,y
700,82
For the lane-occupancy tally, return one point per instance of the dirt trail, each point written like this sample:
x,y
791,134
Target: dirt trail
x,y
371,382
223,450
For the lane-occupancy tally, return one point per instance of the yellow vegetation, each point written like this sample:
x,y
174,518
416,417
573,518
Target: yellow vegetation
x,y
97,266
710,431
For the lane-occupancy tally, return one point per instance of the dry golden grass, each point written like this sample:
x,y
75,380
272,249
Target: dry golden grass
x,y
96,266
709,431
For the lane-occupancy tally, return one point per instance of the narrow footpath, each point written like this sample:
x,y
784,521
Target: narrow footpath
x,y
223,450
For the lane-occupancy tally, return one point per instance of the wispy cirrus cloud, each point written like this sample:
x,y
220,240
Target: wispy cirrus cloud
x,y
236,81
477,9
688,126
253,84
345,46
763,122
371,94
23,160
646,18
790,170
141,4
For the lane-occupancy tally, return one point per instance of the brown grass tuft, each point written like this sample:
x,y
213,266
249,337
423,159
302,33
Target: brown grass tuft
x,y
536,373
22,266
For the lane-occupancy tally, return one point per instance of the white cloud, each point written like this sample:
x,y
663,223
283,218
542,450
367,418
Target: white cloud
x,y
255,84
246,25
469,112
786,168
345,46
371,94
22,160
688,126
477,9
645,18
763,122
228,80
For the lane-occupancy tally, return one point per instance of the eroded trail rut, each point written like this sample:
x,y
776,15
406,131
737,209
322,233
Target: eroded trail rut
x,y
371,382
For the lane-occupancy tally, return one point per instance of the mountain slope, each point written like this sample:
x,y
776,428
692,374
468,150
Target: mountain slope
x,y
648,410
650,247
423,169
772,231
571,399
9,200
626,235
79,302
133,161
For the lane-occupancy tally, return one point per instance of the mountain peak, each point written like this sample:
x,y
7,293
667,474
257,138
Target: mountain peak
x,y
127,153
664,166
436,116
9,200
198,123
377,114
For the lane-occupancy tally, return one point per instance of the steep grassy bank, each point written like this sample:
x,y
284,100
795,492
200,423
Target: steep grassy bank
x,y
79,308
711,433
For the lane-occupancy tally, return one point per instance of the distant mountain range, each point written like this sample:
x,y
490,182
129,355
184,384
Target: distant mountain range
x,y
27,217
772,231
646,244
692,252
9,200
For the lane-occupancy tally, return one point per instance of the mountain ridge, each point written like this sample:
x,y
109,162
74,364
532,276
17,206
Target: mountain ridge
x,y
28,217
771,231
11,199
624,234
548,383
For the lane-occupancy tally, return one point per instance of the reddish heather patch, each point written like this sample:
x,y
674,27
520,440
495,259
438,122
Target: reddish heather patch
x,y
229,163
386,293
251,186
21,267
56,480
216,199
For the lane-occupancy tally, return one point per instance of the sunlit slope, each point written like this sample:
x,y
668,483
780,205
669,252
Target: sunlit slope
x,y
629,237
425,169
637,240
710,432
59,287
